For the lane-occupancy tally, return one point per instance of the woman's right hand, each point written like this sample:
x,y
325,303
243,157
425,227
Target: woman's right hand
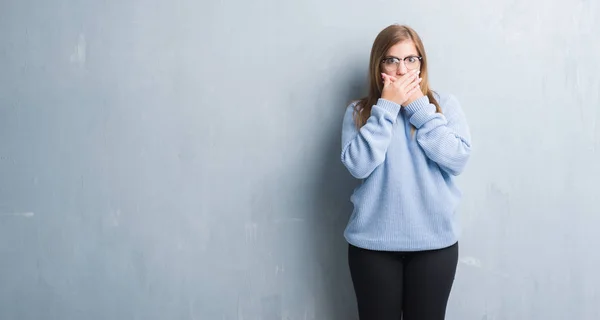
x,y
400,89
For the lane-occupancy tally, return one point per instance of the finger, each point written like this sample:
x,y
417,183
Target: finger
x,y
410,74
386,76
413,89
386,79
409,93
408,84
410,77
417,84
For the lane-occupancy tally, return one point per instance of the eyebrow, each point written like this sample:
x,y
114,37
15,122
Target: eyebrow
x,y
410,55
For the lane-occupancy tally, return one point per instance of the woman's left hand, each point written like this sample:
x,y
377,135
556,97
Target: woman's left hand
x,y
417,93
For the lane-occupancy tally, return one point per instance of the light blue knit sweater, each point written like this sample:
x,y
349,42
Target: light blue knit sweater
x,y
408,197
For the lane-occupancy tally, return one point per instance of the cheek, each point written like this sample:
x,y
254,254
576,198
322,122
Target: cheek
x,y
390,73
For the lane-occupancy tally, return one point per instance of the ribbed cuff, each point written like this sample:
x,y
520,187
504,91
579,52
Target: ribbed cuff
x,y
418,111
388,106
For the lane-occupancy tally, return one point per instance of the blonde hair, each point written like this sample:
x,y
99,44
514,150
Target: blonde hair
x,y
386,39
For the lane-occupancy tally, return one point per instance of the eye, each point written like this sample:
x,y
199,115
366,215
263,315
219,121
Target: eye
x,y
412,59
389,61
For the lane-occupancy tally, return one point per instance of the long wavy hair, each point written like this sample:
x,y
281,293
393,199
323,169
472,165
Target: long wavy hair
x,y
386,39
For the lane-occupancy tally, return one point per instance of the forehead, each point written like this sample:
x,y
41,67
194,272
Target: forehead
x,y
403,49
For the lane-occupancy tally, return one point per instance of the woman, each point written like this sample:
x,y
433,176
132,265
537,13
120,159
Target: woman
x,y
407,144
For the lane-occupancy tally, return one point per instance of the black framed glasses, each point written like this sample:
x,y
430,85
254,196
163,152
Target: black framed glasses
x,y
391,64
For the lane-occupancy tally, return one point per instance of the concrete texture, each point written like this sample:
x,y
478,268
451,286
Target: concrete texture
x,y
180,159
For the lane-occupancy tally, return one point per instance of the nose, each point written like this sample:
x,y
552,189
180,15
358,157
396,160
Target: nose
x,y
401,70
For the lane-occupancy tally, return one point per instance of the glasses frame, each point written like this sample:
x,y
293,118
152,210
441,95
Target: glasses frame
x,y
403,60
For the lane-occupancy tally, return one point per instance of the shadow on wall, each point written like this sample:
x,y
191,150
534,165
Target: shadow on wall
x,y
332,209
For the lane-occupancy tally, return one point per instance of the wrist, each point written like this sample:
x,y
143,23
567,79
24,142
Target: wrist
x,y
414,97
388,105
419,106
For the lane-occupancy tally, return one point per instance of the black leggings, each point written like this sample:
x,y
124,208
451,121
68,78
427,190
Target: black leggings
x,y
411,285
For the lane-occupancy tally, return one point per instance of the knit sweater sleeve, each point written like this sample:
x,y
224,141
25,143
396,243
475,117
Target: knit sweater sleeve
x,y
364,149
444,137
